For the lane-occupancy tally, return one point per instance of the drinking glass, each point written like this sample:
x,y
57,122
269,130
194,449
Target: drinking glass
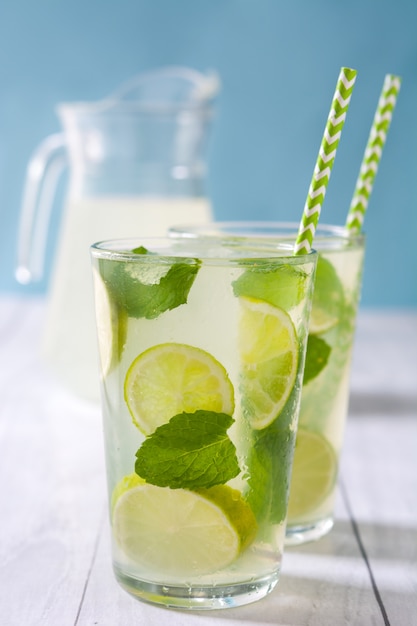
x,y
202,346
325,393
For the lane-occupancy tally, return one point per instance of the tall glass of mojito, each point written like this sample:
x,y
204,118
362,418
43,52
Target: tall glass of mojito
x,y
202,348
325,392
325,395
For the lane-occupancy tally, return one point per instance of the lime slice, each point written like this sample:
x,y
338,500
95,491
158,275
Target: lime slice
x,y
237,510
269,353
180,532
313,474
126,483
172,378
321,321
111,326
328,298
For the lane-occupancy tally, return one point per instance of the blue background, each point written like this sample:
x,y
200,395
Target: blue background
x,y
278,62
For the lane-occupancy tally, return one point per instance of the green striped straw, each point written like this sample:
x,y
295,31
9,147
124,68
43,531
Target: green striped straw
x,y
325,160
373,152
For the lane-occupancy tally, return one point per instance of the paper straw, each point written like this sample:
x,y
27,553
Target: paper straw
x,y
373,152
325,160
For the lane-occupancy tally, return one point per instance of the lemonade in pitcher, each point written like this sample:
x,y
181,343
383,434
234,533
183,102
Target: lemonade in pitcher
x,y
71,303
202,348
137,164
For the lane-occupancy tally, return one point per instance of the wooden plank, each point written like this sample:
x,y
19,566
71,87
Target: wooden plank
x,y
381,483
379,465
51,485
52,499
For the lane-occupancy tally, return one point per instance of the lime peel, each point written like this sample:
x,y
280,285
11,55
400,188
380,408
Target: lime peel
x,y
270,355
111,325
179,532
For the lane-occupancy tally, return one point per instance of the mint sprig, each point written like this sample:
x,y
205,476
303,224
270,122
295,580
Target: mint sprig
x,y
191,451
144,290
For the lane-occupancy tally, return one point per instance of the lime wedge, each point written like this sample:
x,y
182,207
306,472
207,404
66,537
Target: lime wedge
x,y
180,532
314,473
111,326
269,355
237,510
126,483
172,378
328,298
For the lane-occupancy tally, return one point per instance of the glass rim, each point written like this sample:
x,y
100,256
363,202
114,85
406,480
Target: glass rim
x,y
262,250
324,232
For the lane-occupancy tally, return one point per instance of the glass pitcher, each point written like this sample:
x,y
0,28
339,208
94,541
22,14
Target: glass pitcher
x,y
136,167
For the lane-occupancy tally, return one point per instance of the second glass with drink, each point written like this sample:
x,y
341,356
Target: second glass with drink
x,y
325,392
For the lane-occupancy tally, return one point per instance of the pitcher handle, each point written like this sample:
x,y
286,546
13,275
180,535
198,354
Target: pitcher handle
x,y
42,174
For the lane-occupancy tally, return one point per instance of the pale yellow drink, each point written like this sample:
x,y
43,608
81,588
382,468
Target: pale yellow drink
x,y
325,395
200,412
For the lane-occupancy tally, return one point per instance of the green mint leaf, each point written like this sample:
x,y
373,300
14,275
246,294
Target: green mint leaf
x,y
147,291
269,462
141,250
318,352
269,482
191,451
149,301
283,287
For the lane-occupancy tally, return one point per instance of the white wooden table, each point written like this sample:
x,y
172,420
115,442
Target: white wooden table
x,y
54,537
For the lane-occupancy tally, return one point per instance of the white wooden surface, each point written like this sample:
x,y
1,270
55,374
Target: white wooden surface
x,y
54,540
